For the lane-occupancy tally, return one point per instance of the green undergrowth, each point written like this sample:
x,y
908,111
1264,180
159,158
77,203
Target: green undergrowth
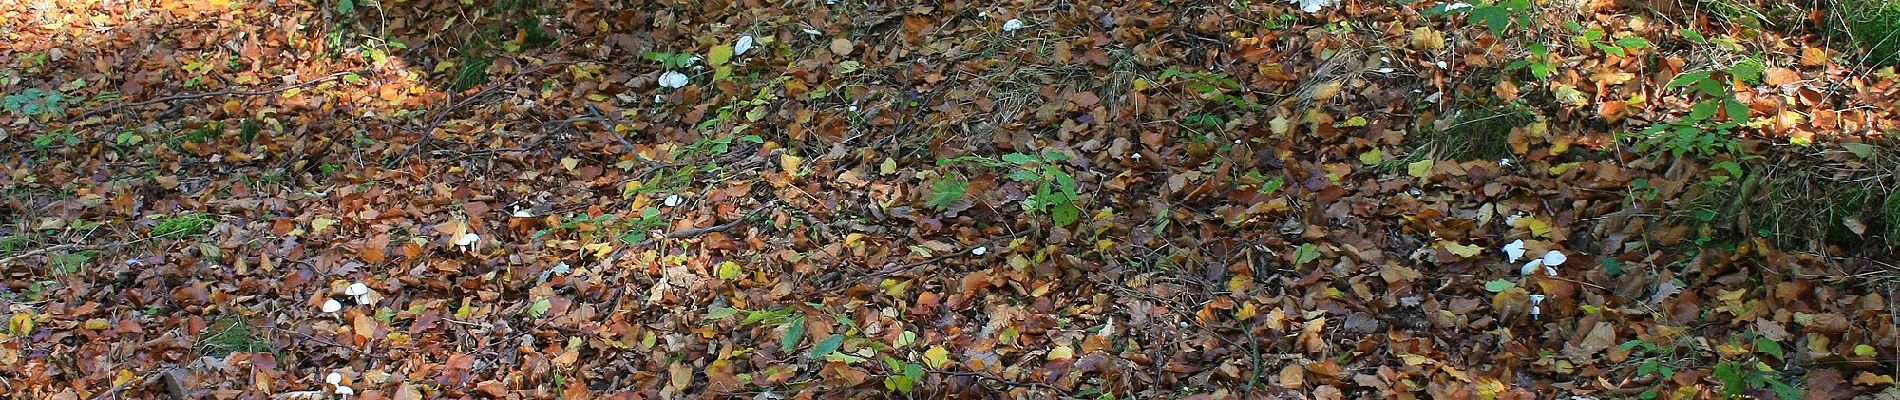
x,y
1798,203
1479,131
1871,25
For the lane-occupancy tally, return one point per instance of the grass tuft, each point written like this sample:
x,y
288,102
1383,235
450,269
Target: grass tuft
x,y
1480,132
184,225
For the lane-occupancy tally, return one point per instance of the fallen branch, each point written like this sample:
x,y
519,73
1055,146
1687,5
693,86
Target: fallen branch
x,y
195,96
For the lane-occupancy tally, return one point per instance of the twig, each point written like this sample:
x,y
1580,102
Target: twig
x,y
195,96
35,252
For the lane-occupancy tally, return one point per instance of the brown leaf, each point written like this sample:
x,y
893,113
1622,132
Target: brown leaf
x,y
841,46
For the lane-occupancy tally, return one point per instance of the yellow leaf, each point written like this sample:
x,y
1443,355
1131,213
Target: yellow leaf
x,y
1279,125
729,270
97,324
1061,353
570,163
889,167
1371,157
1869,379
789,163
1537,226
1461,250
124,375
1488,388
1351,122
1239,283
321,224
936,357
1560,169
1246,312
21,323
1414,359
1420,169
719,55
601,250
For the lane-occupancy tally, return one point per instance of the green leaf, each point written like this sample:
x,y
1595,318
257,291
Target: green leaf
x,y
729,270
827,346
1702,111
1306,253
1770,347
1862,150
1371,157
719,55
794,333
1736,110
1499,286
1019,158
345,6
1272,185
1065,213
1692,35
1612,50
721,312
947,191
539,308
1633,42
1688,78
1748,71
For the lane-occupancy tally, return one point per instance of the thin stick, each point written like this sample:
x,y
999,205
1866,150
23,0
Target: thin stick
x,y
35,252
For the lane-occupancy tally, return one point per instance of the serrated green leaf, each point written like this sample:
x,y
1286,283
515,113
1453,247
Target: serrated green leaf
x,y
1065,213
794,333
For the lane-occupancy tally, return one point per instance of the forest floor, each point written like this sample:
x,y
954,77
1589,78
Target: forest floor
x,y
1518,199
